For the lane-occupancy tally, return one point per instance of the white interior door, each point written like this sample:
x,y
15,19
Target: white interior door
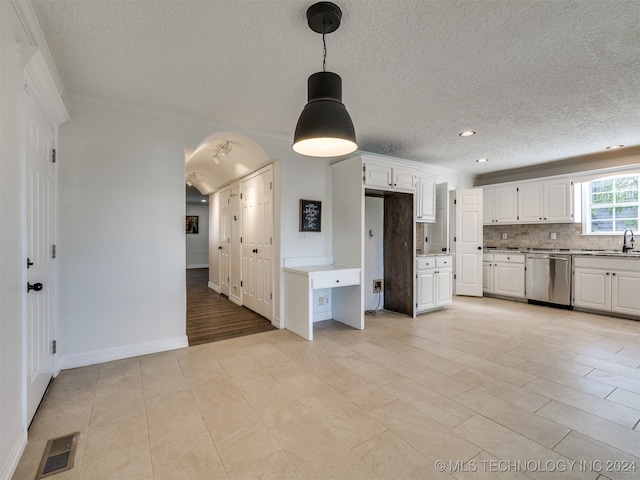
x,y
225,239
257,240
40,217
469,242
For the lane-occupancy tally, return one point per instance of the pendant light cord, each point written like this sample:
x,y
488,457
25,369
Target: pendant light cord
x,y
324,52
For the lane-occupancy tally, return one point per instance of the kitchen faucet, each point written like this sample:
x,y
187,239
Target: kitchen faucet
x,y
626,249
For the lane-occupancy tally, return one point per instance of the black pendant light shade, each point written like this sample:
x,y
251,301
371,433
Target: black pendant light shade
x,y
324,128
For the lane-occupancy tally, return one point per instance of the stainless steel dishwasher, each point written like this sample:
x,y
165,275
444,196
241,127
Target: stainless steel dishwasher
x,y
549,278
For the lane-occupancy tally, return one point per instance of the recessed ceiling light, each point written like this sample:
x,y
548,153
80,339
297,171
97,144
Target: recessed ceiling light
x,y
482,160
467,133
614,147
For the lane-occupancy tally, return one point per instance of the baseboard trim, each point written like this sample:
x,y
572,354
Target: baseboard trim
x,y
118,353
202,265
213,287
11,463
235,300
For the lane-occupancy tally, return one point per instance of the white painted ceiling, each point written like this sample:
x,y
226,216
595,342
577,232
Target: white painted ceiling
x,y
538,80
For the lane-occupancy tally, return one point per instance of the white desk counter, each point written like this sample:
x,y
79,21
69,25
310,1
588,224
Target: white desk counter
x,y
346,305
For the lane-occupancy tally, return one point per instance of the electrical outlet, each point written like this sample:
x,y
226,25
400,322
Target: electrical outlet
x,y
377,285
504,236
321,301
553,235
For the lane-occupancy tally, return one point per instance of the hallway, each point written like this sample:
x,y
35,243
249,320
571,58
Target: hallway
x,y
212,317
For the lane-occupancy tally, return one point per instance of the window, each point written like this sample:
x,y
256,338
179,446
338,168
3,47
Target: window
x,y
612,205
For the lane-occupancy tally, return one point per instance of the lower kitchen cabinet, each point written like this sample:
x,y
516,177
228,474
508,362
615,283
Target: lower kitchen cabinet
x,y
434,282
607,284
504,274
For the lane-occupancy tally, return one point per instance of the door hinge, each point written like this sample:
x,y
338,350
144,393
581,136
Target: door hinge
x,y
241,196
240,282
271,296
270,185
54,347
240,239
53,155
455,202
517,189
270,240
454,276
455,239
53,251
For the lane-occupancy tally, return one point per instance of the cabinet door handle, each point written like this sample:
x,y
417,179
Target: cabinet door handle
x,y
613,273
337,281
607,273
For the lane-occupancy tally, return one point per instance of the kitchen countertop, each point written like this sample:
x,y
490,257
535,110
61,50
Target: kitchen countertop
x,y
440,254
603,253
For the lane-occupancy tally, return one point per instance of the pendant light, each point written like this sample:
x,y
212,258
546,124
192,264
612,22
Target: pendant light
x,y
324,128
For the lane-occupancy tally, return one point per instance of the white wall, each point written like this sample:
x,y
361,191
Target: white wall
x,y
197,245
121,232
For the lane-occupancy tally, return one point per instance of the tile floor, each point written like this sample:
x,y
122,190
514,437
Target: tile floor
x,y
493,389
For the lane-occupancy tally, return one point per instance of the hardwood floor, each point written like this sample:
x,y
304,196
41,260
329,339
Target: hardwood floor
x,y
212,317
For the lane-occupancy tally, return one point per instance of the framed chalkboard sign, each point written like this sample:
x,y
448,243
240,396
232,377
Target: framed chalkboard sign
x,y
310,215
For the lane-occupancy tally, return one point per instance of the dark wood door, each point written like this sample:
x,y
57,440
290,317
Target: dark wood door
x,y
398,252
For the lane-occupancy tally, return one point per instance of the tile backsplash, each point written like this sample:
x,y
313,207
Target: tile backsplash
x,y
568,235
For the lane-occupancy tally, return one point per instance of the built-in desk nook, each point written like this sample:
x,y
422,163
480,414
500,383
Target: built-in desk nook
x,y
346,295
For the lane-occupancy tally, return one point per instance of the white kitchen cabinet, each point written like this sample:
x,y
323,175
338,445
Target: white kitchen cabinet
x,y
425,198
547,201
434,282
607,283
500,204
558,200
504,274
386,176
530,202
487,273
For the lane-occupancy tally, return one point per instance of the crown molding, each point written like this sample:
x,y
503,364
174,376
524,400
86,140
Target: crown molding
x,y
80,98
30,24
40,84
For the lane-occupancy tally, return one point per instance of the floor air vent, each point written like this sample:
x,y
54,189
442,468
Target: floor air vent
x,y
58,455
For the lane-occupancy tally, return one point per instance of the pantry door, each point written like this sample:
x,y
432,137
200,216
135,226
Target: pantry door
x,y
225,239
468,240
257,240
40,215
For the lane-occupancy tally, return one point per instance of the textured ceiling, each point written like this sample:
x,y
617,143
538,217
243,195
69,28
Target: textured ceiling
x,y
538,80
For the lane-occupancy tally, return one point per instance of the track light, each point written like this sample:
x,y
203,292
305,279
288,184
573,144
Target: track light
x,y
222,151
324,128
190,178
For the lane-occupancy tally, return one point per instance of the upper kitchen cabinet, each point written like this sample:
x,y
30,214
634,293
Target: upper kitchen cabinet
x,y
538,201
548,201
425,198
385,176
500,204
558,200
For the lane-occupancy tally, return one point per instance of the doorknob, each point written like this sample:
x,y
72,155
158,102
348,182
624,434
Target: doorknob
x,y
29,262
36,286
